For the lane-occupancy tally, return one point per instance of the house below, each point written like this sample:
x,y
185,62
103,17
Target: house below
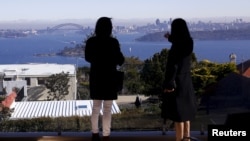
x,y
66,108
231,91
31,77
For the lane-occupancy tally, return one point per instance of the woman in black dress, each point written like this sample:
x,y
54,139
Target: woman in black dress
x,y
103,53
178,87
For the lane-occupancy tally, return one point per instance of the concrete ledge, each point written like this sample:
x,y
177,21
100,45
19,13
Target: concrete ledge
x,y
86,136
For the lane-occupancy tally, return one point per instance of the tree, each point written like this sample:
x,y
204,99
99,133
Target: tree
x,y
58,86
153,72
132,68
83,82
206,73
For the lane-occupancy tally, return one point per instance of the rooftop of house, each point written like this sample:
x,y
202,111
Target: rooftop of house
x,y
36,69
244,68
247,73
66,108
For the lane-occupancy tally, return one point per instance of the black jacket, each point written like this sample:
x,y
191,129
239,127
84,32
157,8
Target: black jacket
x,y
181,104
104,55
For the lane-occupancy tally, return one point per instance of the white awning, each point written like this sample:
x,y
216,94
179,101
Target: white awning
x,y
35,109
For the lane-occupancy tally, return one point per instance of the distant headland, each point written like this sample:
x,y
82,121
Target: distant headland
x,y
242,34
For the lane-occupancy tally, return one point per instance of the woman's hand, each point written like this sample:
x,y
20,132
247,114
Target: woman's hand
x,y
168,90
167,35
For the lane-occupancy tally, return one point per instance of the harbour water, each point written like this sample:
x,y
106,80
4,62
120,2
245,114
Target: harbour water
x,y
23,50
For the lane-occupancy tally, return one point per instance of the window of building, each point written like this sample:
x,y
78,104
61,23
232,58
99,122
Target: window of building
x,y
7,79
41,81
28,81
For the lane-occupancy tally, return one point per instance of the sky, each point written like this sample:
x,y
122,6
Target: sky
x,y
12,10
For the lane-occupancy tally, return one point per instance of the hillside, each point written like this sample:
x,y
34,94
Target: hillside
x,y
242,34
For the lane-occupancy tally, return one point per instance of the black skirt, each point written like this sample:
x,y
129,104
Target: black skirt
x,y
168,106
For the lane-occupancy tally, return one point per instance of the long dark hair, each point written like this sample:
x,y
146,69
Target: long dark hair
x,y
179,29
103,27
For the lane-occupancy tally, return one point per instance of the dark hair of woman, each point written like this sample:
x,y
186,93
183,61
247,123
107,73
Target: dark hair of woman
x,y
179,30
103,27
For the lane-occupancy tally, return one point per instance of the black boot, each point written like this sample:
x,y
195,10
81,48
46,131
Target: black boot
x,y
105,138
95,137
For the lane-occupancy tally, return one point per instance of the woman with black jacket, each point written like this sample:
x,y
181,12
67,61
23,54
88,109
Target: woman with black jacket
x,y
103,53
178,86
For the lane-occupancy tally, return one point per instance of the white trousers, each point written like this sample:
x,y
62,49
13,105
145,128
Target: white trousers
x,y
106,117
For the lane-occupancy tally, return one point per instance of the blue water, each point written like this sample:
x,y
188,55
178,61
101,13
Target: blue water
x,y
22,50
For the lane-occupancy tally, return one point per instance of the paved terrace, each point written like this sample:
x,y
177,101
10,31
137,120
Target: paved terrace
x,y
86,136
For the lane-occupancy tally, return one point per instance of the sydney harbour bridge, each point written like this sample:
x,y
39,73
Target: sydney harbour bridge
x,y
68,26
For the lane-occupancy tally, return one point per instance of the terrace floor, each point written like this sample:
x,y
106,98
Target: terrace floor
x,y
86,136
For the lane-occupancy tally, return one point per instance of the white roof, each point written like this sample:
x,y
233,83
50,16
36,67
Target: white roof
x,y
35,109
36,69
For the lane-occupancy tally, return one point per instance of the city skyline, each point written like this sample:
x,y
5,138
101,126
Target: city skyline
x,y
31,10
